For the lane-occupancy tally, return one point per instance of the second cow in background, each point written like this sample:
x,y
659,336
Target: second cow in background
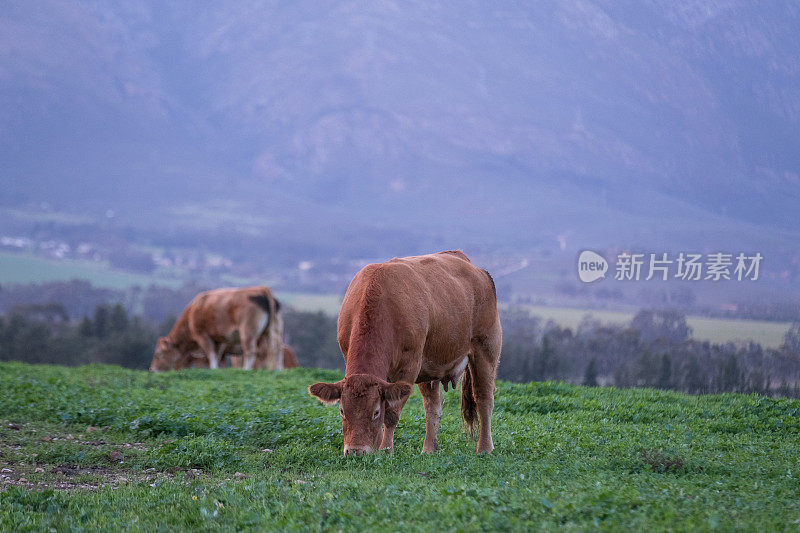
x,y
215,321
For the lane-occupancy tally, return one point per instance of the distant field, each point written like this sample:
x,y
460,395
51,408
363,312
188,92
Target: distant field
x,y
19,268
252,451
719,330
327,303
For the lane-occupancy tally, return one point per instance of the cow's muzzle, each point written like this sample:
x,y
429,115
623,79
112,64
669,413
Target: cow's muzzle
x,y
357,450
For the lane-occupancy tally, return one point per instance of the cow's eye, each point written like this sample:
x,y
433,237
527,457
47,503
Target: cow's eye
x,y
341,412
377,413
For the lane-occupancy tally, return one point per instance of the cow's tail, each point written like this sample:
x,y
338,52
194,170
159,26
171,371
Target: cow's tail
x,y
265,302
469,409
277,305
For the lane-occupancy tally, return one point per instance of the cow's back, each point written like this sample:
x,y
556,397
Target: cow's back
x,y
432,304
218,312
210,312
460,299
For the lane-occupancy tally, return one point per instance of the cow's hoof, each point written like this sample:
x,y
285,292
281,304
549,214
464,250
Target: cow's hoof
x,y
430,449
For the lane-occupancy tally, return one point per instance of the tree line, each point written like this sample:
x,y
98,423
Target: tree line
x,y
654,350
156,303
45,334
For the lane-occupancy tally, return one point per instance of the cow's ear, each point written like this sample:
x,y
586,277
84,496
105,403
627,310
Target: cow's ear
x,y
327,393
391,392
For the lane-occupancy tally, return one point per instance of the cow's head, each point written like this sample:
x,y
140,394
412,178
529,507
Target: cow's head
x,y
165,357
366,403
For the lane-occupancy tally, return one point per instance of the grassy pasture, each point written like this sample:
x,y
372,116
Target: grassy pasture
x,y
327,303
21,268
202,449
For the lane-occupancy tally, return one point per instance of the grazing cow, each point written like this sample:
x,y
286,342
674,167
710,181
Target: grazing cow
x,y
426,320
216,320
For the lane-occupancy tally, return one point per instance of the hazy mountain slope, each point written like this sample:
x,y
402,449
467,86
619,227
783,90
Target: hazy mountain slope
x,y
605,121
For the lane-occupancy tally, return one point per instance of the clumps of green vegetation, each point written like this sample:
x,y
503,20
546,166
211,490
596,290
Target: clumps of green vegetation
x,y
662,463
161,424
74,454
206,453
235,450
19,500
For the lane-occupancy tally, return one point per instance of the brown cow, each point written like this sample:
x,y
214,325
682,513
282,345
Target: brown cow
x,y
210,324
424,320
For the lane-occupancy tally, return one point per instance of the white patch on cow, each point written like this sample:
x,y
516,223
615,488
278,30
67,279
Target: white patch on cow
x,y
449,372
213,360
460,368
262,323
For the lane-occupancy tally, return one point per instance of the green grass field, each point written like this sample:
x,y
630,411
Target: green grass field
x,y
718,330
327,303
20,268
203,449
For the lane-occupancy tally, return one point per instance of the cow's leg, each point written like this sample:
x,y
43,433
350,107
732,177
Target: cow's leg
x,y
210,348
387,443
483,365
432,399
253,338
221,352
395,408
249,347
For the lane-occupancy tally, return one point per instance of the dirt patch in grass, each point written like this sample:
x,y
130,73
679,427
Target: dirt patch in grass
x,y
87,460
61,477
77,477
62,461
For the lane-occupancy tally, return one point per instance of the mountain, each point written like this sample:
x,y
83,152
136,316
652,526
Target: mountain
x,y
498,126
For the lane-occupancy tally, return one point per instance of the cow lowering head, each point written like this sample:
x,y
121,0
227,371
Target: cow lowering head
x,y
366,403
165,357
